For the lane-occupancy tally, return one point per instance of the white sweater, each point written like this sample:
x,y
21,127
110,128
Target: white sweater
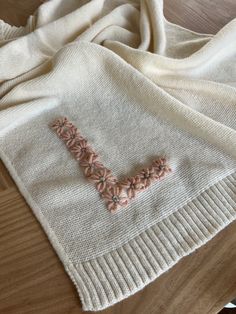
x,y
136,86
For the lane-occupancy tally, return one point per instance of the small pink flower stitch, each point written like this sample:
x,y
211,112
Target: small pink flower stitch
x,y
71,137
90,164
115,198
161,167
148,176
103,179
61,124
81,149
133,186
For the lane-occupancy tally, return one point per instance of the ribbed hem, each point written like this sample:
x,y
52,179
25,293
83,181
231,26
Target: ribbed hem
x,y
114,276
8,32
120,273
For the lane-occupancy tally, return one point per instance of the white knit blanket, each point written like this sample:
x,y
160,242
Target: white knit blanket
x,y
137,87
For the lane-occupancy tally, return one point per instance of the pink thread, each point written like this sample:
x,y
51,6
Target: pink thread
x,y
81,149
133,186
90,163
115,197
71,137
60,125
148,176
103,179
116,194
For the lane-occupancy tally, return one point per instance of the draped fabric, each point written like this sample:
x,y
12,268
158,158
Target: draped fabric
x,y
137,87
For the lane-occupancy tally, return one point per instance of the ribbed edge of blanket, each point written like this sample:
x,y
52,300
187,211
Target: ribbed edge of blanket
x,y
120,273
8,31
114,276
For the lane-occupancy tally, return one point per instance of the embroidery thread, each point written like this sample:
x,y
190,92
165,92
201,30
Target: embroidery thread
x,y
116,194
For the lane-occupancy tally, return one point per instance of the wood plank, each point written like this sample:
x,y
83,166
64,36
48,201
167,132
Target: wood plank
x,y
204,16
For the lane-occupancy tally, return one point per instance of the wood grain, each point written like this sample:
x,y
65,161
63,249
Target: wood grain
x,y
204,16
32,279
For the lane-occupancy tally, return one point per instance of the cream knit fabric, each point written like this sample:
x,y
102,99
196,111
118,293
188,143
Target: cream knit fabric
x,y
137,87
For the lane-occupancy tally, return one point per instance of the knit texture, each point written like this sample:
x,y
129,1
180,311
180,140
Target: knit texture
x,y
137,87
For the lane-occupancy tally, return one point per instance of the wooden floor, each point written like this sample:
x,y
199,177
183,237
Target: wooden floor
x,y
32,279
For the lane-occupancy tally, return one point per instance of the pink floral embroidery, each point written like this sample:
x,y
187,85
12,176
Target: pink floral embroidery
x,y
71,137
114,193
161,167
81,149
61,124
148,176
90,164
133,185
115,198
103,179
